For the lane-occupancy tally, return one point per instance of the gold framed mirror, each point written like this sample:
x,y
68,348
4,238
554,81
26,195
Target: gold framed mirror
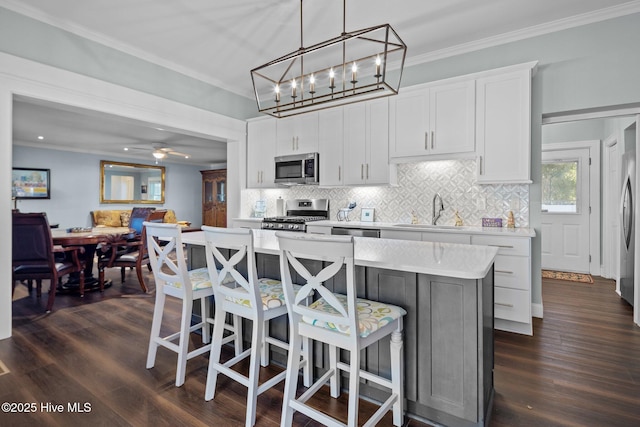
x,y
131,183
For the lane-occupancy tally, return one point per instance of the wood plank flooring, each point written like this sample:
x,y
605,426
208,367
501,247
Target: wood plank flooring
x,y
581,367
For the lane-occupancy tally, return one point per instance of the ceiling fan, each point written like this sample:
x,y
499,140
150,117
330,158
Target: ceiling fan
x,y
160,150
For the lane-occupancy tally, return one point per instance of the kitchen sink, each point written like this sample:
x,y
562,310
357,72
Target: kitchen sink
x,y
431,227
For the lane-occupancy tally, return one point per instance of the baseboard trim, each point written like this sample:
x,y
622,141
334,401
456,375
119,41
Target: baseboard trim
x,y
537,310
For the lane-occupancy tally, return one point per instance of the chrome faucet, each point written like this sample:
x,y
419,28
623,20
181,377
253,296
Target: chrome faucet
x,y
436,215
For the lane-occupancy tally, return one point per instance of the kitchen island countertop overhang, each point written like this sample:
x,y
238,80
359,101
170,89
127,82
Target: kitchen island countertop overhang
x,y
441,259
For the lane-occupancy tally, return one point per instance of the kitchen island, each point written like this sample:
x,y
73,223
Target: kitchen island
x,y
447,290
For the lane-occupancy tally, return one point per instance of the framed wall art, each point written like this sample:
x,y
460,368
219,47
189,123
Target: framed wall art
x,y
30,183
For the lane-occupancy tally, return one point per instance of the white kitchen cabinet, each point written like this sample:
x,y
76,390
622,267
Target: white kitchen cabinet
x,y
512,282
437,122
503,127
330,147
297,134
366,142
261,150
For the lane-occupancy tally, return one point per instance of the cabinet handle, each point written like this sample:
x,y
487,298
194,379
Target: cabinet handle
x,y
361,171
433,138
504,304
262,177
480,164
503,246
426,140
367,170
293,143
258,177
339,173
297,142
503,271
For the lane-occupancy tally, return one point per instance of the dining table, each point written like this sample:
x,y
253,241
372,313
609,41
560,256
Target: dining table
x,y
89,239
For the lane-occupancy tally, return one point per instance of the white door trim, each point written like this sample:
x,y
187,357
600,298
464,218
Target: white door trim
x,y
610,212
19,76
594,195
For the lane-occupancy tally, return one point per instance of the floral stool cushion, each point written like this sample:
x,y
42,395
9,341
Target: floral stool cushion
x,y
372,315
271,293
199,279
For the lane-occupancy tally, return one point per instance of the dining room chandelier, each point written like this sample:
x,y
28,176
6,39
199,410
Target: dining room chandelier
x,y
354,66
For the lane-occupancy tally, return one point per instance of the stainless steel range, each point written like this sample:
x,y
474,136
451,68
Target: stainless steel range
x,y
299,212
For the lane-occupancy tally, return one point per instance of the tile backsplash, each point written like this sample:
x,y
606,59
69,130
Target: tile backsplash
x,y
455,180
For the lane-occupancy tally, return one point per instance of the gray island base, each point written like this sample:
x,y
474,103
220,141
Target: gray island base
x,y
447,290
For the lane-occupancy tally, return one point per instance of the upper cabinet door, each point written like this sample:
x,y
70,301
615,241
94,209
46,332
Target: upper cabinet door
x,y
503,128
297,134
330,143
261,150
432,121
409,123
452,118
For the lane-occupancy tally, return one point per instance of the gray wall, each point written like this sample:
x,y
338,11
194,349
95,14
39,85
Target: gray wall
x,y
75,187
31,39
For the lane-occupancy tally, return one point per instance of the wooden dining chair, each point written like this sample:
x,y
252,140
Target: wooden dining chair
x,y
341,321
34,257
127,252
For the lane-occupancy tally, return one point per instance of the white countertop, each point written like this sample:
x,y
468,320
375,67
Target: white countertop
x,y
497,231
442,259
489,231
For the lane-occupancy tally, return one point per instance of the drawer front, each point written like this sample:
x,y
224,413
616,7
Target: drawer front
x,y
446,238
401,234
512,272
318,229
512,304
507,245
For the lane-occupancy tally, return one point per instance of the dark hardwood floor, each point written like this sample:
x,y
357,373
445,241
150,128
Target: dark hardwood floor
x,y
581,367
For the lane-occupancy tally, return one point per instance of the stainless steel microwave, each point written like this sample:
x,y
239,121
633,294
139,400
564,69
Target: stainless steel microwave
x,y
297,169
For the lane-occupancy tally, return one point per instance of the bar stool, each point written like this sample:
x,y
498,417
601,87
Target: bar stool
x,y
342,322
173,279
258,300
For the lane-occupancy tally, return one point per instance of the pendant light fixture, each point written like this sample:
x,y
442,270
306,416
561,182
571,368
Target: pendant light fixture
x,y
355,66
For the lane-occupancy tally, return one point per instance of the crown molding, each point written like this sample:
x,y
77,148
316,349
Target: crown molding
x,y
89,34
537,30
525,33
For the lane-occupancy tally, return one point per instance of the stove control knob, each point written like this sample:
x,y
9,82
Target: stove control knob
x,y
296,227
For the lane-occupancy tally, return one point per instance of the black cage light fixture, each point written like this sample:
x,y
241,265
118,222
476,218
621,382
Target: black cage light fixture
x,y
355,66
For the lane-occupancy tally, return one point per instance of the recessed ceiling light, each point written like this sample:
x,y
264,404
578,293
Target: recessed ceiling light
x,y
40,137
126,148
186,157
159,128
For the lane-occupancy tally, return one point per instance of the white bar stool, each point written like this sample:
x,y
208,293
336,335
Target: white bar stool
x,y
167,261
258,300
343,322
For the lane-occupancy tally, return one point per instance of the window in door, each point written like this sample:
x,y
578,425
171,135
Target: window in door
x,y
560,187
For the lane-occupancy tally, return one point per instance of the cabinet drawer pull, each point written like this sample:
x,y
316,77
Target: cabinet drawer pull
x,y
426,140
503,246
433,138
503,304
503,271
